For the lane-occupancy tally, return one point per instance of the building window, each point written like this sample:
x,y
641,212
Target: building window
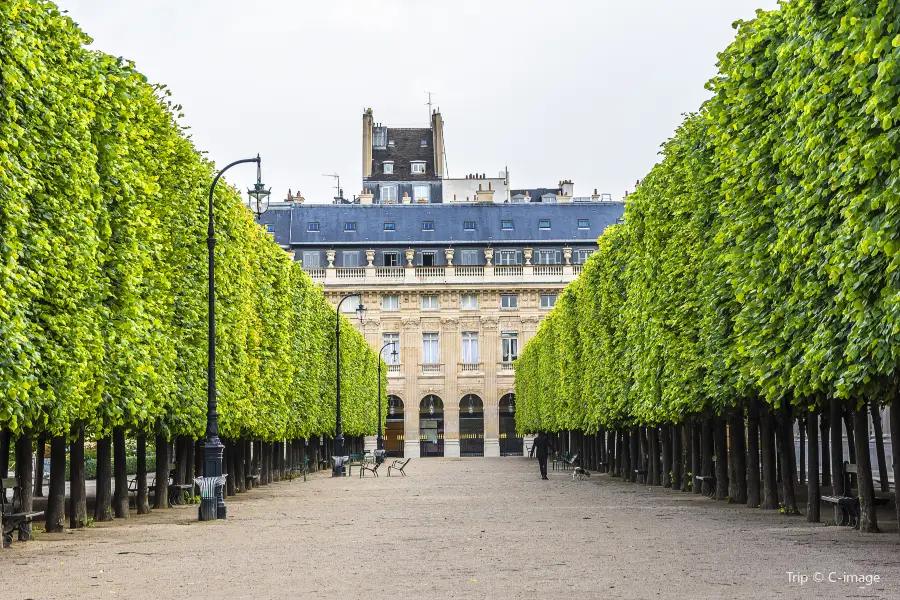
x,y
350,226
509,301
506,224
518,199
418,167
423,144
427,225
388,168
430,349
379,136
390,143
391,259
469,301
508,258
310,259
584,224
389,226
350,305
428,259
548,257
510,346
390,302
582,255
269,228
470,346
544,224
388,194
548,300
350,258
391,354
469,225
468,257
312,226
422,193
430,302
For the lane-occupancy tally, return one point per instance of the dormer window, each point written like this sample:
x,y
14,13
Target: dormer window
x,y
423,144
417,166
379,137
388,167
390,143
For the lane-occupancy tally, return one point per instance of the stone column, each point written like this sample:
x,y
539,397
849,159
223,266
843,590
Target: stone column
x,y
410,344
491,356
450,347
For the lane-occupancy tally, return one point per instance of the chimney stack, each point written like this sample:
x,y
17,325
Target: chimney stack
x,y
367,143
437,133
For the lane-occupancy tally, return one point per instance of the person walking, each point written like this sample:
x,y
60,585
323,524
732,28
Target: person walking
x,y
540,447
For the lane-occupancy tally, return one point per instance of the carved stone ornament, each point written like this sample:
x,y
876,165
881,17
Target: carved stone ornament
x,y
410,257
528,253
448,254
489,256
370,258
329,254
567,254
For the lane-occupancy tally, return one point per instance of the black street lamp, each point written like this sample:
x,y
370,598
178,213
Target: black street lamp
x,y
338,469
213,448
380,444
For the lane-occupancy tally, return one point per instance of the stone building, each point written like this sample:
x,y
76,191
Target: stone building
x,y
459,286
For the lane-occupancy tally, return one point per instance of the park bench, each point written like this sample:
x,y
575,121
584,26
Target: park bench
x,y
356,460
399,465
252,479
708,479
564,461
846,508
371,466
14,521
302,468
642,474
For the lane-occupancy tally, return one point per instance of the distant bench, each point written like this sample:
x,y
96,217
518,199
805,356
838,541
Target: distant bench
x,y
846,508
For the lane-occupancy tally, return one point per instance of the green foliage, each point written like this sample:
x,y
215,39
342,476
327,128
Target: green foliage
x,y
103,265
759,257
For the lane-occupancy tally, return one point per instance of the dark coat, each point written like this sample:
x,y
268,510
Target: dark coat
x,y
541,445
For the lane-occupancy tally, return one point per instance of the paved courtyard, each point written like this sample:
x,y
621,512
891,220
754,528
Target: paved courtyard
x,y
456,528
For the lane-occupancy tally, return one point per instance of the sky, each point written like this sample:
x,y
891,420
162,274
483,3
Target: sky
x,y
585,90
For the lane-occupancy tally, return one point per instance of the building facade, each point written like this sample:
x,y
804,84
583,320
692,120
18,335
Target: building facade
x,y
459,286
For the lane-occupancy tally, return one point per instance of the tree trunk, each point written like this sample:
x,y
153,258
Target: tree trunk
x,y
56,493
5,439
77,497
681,456
199,453
617,454
635,446
240,483
120,501
825,444
141,501
738,453
248,464
879,448
768,458
789,473
720,439
837,450
851,442
813,493
696,454
264,456
895,452
706,454
180,443
868,521
103,500
753,475
41,449
231,475
653,467
24,473
161,489
667,455
627,471
191,449
801,472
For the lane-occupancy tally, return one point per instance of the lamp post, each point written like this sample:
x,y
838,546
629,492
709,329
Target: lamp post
x,y
380,443
337,470
213,448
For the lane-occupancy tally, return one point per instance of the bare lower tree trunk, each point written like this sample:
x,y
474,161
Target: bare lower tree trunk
x,y
161,489
230,485
851,442
837,449
5,441
895,452
706,454
240,482
813,493
879,447
653,467
199,453
868,521
120,501
626,455
248,464
618,453
825,444
801,472
141,502
103,500
683,455
769,460
635,446
696,454
753,475
180,443
56,493
720,440
191,448
667,470
41,448
789,473
77,497
738,453
24,473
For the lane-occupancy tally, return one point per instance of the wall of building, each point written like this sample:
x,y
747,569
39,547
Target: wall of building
x,y
465,190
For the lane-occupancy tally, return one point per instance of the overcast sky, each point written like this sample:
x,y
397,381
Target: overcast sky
x,y
582,90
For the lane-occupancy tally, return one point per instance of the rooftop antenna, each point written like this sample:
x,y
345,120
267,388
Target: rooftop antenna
x,y
429,105
340,197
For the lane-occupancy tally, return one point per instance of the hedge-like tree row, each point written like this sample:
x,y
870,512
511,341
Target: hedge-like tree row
x,y
754,281
103,277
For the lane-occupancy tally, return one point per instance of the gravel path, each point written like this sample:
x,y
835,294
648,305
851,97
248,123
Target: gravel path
x,y
456,528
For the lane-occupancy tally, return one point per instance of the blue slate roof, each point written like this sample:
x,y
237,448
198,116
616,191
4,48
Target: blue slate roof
x,y
291,223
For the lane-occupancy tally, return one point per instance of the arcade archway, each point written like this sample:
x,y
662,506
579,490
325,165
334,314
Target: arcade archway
x,y
393,427
471,426
431,426
510,442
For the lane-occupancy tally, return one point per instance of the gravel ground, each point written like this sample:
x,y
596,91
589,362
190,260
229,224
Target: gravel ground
x,y
457,528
